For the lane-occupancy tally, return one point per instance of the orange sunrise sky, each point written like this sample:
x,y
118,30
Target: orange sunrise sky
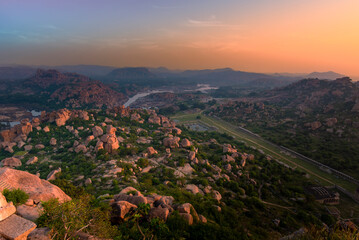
x,y
259,36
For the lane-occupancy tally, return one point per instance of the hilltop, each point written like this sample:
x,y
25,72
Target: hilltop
x,y
325,75
51,88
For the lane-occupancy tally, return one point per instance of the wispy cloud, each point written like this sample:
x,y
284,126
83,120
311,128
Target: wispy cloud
x,y
116,42
211,23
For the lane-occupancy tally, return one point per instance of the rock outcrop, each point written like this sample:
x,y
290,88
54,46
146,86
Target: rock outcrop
x,y
160,206
60,117
38,189
120,209
6,209
17,133
14,227
97,131
192,188
315,125
171,142
151,151
227,158
227,148
11,162
186,169
81,148
53,142
110,141
186,143
52,174
330,122
32,160
122,111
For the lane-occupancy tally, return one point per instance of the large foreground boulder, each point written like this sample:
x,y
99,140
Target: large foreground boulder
x,y
38,189
40,234
29,212
16,227
6,209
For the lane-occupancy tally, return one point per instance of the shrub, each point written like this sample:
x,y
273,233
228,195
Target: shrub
x,y
68,218
142,162
17,196
70,189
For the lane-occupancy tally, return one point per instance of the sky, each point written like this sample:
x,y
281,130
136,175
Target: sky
x,y
258,35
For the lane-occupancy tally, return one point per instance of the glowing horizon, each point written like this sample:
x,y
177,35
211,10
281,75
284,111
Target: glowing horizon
x,y
259,36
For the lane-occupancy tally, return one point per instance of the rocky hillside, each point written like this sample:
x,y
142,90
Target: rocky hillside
x,y
318,118
330,75
61,89
315,95
134,173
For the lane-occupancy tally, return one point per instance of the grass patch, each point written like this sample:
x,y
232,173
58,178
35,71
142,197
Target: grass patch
x,y
20,153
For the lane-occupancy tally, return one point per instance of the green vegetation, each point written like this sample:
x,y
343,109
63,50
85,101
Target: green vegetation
x,y
316,173
79,214
322,233
17,196
316,118
259,199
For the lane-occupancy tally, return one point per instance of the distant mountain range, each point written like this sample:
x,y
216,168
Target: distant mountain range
x,y
136,78
18,71
88,70
15,72
131,73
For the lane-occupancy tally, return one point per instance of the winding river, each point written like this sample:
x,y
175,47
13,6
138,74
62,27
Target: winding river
x,y
200,87
141,95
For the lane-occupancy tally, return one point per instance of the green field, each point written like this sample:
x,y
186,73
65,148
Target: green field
x,y
313,171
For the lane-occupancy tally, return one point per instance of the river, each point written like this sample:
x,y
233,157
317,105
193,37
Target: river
x,y
141,95
200,87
